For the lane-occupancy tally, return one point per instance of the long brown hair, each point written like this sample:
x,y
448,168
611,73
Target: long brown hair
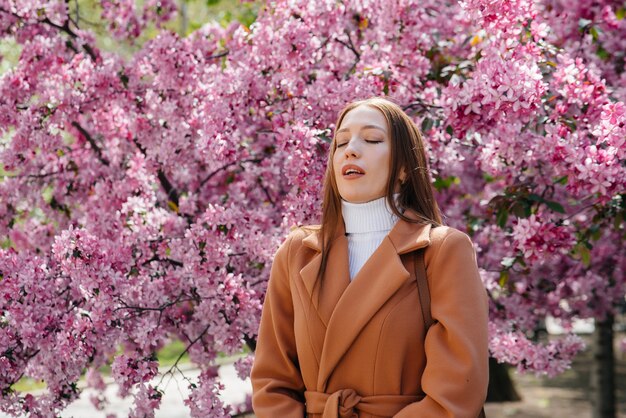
x,y
407,152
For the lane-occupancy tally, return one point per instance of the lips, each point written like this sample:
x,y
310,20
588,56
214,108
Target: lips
x,y
352,170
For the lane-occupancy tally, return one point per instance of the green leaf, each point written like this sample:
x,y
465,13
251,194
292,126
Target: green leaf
x,y
427,124
325,138
172,205
521,209
443,183
618,220
504,278
449,129
585,255
555,206
603,53
570,123
47,193
502,217
562,180
620,13
596,235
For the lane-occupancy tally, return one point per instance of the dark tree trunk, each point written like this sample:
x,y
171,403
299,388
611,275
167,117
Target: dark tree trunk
x,y
603,370
501,387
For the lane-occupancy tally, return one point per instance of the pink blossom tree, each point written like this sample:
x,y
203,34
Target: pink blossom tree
x,y
143,197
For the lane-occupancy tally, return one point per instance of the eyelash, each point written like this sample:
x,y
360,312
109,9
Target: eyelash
x,y
369,141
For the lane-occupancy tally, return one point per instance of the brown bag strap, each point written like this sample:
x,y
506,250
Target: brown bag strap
x,y
422,287
424,295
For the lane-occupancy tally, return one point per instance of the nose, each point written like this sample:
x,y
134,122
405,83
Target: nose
x,y
351,149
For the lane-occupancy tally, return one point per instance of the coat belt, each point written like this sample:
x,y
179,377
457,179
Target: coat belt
x,y
346,402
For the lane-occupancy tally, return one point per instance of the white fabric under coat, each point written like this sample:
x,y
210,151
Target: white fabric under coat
x,y
366,225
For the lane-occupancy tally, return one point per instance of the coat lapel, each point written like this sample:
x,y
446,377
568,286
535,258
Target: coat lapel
x,y
379,278
326,294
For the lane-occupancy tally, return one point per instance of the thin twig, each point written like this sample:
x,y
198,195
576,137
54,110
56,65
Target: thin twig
x,y
219,55
225,166
185,351
267,193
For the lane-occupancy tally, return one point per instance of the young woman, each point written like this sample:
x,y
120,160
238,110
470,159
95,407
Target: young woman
x,y
342,331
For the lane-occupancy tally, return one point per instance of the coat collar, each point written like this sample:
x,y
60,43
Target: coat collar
x,y
345,307
405,236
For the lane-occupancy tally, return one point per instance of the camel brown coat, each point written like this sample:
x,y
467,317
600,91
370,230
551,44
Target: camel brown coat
x,y
357,348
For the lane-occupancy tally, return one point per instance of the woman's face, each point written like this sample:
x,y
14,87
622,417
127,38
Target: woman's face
x,y
362,158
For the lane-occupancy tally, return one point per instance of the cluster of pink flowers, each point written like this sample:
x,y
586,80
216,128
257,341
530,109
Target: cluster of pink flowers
x,y
537,239
513,347
204,401
124,21
502,88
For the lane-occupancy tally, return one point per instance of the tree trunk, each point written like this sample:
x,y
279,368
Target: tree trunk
x,y
603,370
501,387
184,18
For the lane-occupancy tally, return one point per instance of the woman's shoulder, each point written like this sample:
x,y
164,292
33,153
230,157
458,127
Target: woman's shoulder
x,y
301,235
446,235
300,232
450,250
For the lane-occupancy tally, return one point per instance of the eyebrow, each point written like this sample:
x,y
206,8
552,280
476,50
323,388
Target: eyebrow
x,y
364,127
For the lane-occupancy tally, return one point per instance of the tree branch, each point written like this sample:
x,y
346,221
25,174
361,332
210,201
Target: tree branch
x,y
219,55
351,47
169,260
65,28
172,193
91,141
225,166
185,351
267,193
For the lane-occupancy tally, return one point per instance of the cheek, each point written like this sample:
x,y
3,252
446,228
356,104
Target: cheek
x,y
385,169
336,164
384,162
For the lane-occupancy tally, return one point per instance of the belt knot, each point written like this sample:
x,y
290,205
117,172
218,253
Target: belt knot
x,y
344,402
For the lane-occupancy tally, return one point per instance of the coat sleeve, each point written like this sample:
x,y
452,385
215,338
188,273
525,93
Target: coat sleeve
x,y
277,386
457,358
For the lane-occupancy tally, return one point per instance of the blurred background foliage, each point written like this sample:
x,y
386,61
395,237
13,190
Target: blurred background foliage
x,y
192,15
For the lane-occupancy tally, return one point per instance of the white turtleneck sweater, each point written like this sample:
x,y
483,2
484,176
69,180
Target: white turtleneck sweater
x,y
366,224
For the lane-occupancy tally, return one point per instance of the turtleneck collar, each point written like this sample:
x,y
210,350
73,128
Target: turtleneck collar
x,y
372,216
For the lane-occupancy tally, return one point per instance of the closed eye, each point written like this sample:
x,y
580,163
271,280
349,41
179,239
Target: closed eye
x,y
369,141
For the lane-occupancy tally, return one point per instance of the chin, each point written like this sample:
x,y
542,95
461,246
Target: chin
x,y
357,199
